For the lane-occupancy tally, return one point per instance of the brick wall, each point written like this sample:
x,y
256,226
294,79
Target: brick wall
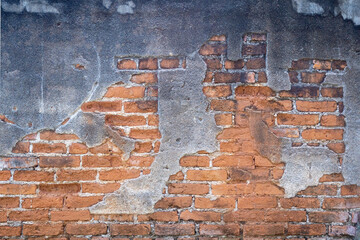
x,y
51,180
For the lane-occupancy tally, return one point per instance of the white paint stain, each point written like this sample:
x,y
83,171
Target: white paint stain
x,y
107,3
307,7
31,6
127,8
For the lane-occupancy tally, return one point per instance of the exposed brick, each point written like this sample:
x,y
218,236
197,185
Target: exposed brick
x,y
332,92
241,161
220,38
49,148
159,216
301,64
334,177
332,121
81,202
239,64
10,231
64,161
130,229
59,188
231,189
257,202
33,176
188,188
324,106
76,175
224,77
341,203
37,215
262,78
206,175
141,107
174,202
124,92
264,230
86,229
148,63
336,147
21,147
285,216
286,132
255,63
51,135
338,65
328,217
227,229
5,175
43,202
224,119
223,105
217,91
126,64
42,229
70,215
9,202
212,49
200,216
100,188
148,78
297,119
118,120
213,63
145,134
245,216
308,230
102,161
329,190
254,91
101,106
17,189
153,120
203,203
251,50
174,229
350,190
234,133
268,189
78,148
342,231
323,134
169,63
119,174
322,64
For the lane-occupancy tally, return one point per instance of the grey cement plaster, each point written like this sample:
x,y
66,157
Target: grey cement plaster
x,y
39,84
186,128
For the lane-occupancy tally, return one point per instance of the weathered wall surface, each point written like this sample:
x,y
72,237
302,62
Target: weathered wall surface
x,y
234,119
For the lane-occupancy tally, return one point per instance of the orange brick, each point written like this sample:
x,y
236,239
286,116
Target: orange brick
x,y
102,106
75,175
174,202
143,147
145,134
328,217
43,202
332,92
227,229
301,64
257,202
118,120
148,63
174,229
217,91
322,64
334,177
152,91
119,174
220,38
254,91
42,229
102,161
223,119
10,231
70,215
64,161
323,134
177,176
296,119
206,175
194,161
300,202
338,64
159,216
130,230
324,106
141,107
17,189
126,64
169,63
9,202
241,161
245,216
332,121
268,189
264,230
308,230
233,146
86,229
49,148
5,175
33,176
37,215
188,188
100,188
148,78
153,120
315,77
78,148
341,203
231,189
285,216
81,202
51,135
217,203
124,92
223,105
212,49
59,188
350,190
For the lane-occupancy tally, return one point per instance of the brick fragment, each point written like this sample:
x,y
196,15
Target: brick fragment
x,y
126,64
322,64
141,107
148,64
251,50
17,189
212,49
148,78
102,106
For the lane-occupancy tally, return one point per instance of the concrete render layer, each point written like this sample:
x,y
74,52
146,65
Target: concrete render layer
x,y
41,41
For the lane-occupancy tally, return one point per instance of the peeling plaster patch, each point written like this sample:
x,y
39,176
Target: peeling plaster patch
x,y
305,166
127,8
350,9
307,7
181,107
32,6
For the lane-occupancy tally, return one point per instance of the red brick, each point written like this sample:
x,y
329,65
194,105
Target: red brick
x,y
262,78
338,64
255,63
239,64
119,174
51,135
334,177
17,189
118,120
9,202
100,188
301,64
213,63
300,202
49,148
70,215
169,63
124,92
324,106
257,202
223,105
102,161
78,148
264,230
329,190
141,107
86,229
350,190
241,161
152,91
148,78
235,133
251,50
102,106
206,175
64,161
300,92
43,202
296,119
341,203
37,215
126,64
153,120
286,132
328,217
21,147
322,64
33,176
10,231
332,92
174,202
254,91
145,134
332,121
308,230
75,175
106,147
194,161
148,63
212,49
203,203
245,216
159,216
336,147
217,91
81,202
59,188
323,134
5,175
200,216
130,229
174,229
268,189
188,188
231,189
42,229
285,216
224,119
225,77
227,229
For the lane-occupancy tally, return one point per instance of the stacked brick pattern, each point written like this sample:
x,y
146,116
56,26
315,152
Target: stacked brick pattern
x,y
51,180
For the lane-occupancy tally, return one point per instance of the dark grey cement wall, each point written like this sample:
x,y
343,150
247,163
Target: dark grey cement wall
x,y
42,40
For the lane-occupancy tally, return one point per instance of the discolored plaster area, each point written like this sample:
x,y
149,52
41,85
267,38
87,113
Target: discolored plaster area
x,y
57,55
